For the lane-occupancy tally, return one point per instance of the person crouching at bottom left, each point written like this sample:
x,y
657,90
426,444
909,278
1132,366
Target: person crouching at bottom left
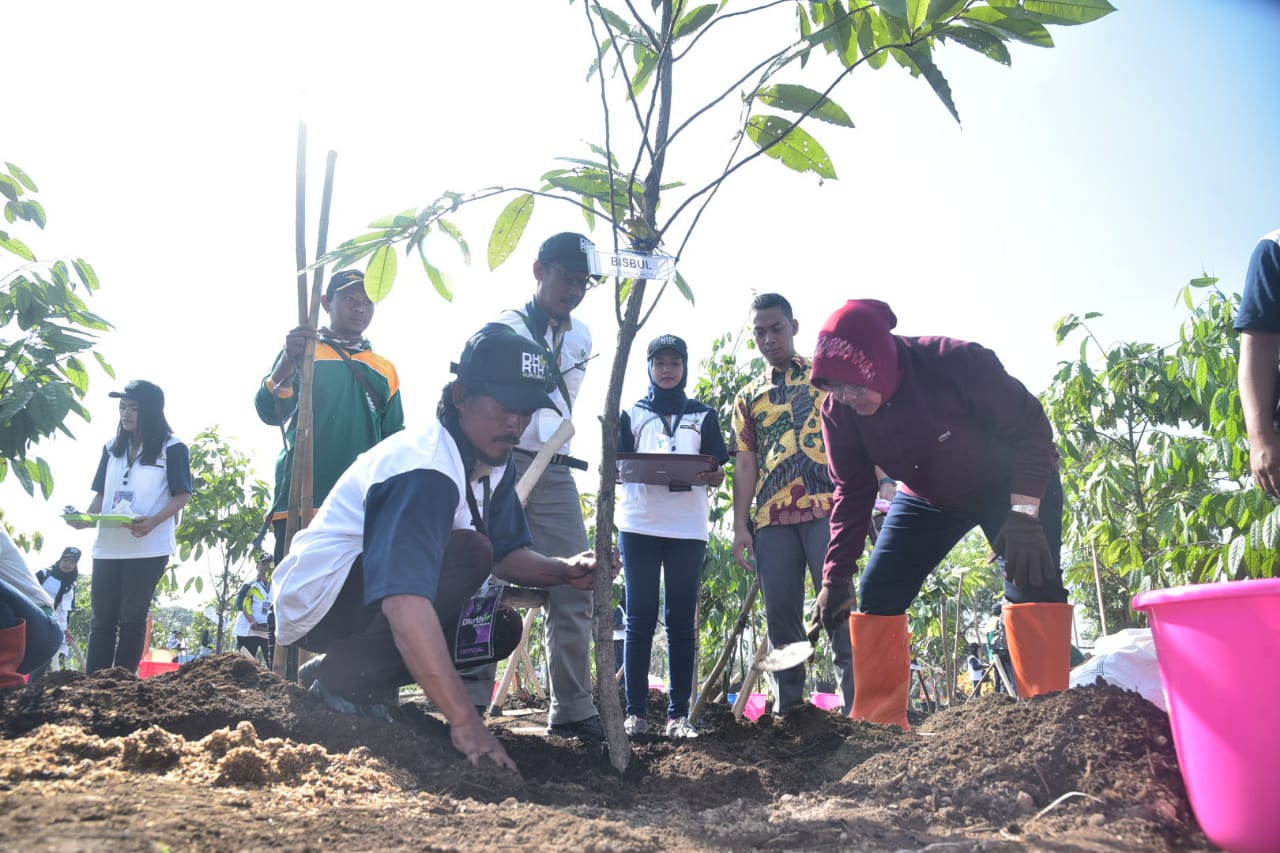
x,y
400,549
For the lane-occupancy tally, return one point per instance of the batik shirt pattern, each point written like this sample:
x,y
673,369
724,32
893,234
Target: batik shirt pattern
x,y
778,417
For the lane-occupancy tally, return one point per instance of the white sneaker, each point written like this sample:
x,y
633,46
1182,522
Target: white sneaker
x,y
635,726
680,727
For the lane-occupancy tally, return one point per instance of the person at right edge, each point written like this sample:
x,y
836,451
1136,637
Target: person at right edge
x,y
970,446
1258,323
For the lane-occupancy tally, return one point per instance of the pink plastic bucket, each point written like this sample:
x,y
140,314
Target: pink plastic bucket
x,y
755,707
1218,646
826,701
148,668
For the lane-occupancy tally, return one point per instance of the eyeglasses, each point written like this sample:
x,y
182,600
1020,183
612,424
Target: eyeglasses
x,y
572,279
846,393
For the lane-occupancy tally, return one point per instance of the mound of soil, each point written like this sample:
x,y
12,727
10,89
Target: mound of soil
x,y
223,755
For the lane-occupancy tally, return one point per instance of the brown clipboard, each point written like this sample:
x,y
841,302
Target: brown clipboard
x,y
664,469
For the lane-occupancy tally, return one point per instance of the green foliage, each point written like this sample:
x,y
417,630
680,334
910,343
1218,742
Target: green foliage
x,y
643,50
45,328
224,517
1155,461
724,583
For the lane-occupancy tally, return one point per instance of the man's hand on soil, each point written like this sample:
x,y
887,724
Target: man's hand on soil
x,y
474,740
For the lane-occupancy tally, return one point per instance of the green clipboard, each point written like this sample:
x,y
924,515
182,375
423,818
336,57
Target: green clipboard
x,y
100,520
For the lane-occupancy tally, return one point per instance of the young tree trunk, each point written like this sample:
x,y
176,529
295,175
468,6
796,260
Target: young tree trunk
x,y
606,666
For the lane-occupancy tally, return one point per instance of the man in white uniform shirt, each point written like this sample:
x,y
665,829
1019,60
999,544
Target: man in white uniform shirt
x,y
554,509
384,580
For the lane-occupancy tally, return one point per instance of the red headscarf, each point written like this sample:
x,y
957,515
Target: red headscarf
x,y
856,346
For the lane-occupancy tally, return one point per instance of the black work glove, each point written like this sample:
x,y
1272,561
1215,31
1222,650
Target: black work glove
x,y
833,603
1027,561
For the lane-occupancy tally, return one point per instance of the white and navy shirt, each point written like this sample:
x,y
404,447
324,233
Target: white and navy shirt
x,y
396,506
656,510
568,346
139,488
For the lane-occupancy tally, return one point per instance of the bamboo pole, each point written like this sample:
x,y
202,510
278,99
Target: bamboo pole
x,y
951,674
301,483
1097,583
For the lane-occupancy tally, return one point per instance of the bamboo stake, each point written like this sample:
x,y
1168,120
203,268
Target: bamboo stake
x,y
300,222
301,483
1097,582
749,683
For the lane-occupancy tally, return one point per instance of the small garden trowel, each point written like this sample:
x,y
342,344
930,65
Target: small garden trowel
x,y
794,654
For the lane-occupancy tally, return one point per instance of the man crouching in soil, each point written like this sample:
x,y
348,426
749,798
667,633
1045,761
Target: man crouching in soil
x,y
400,548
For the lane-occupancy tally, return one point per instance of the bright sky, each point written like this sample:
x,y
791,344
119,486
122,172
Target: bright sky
x,y
1100,175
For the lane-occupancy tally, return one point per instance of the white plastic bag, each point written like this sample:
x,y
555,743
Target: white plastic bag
x,y
1126,659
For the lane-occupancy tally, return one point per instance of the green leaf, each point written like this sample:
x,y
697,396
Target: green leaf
x,y
35,212
646,64
448,228
693,21
942,9
509,228
16,246
795,148
872,33
380,275
896,8
924,62
982,41
9,189
400,220
1067,12
917,13
999,24
802,99
104,364
23,473
683,287
437,278
1203,281
22,176
87,273
42,475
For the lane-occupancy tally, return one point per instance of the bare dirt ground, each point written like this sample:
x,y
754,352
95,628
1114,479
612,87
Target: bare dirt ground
x,y
223,755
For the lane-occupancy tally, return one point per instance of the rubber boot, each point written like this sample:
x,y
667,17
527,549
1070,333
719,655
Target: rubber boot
x,y
1039,635
13,646
881,668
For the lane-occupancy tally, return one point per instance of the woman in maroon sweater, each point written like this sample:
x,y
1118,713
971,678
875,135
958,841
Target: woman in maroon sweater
x,y
971,447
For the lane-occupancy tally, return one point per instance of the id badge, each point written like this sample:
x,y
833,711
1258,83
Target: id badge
x,y
474,638
122,503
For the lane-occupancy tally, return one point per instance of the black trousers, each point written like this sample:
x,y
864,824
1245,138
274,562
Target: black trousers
x,y
361,659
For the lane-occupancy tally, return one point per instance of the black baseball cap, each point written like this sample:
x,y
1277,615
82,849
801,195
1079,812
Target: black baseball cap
x,y
569,249
671,342
501,364
70,552
142,391
342,280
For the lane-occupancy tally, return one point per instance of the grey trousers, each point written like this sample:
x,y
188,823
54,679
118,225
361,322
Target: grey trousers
x,y
785,553
555,520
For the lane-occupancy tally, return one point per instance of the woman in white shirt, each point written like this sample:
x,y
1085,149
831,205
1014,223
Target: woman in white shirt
x,y
144,473
663,532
